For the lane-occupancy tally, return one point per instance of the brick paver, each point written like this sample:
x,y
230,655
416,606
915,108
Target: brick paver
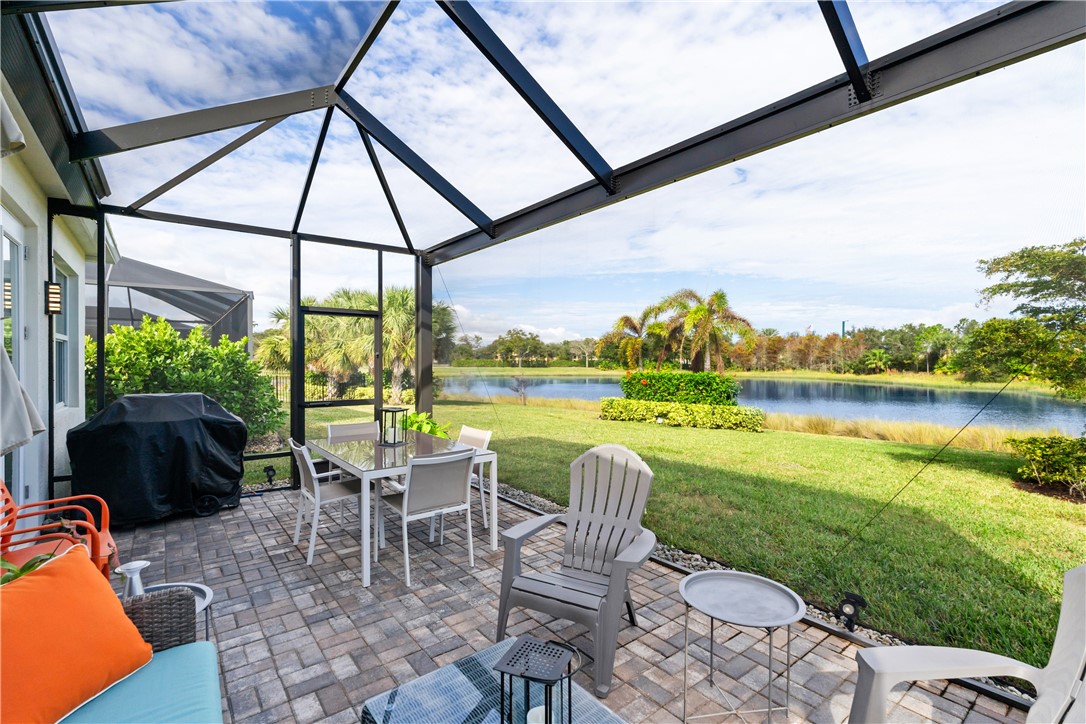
x,y
309,643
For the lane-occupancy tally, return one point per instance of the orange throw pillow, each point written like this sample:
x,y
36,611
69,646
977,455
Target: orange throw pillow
x,y
64,637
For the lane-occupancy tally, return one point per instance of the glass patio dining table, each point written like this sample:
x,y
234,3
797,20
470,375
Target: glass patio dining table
x,y
371,460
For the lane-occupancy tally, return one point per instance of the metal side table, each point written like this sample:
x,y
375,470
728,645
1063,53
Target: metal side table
x,y
741,599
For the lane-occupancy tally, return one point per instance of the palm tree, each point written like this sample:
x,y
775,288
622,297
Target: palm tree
x,y
878,360
708,321
629,333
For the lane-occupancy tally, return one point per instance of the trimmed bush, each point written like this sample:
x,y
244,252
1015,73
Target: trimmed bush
x,y
677,414
1053,461
695,388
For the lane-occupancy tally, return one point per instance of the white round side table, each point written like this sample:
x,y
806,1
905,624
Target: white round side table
x,y
741,599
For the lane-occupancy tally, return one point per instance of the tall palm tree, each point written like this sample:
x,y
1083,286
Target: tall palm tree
x,y
708,321
629,333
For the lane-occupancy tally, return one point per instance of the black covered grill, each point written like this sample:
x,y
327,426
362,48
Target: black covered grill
x,y
153,456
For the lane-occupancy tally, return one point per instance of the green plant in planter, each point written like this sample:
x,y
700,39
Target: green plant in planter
x,y
422,422
12,571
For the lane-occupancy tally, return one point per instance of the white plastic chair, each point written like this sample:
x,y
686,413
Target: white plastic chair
x,y
478,439
435,485
1061,693
317,494
609,487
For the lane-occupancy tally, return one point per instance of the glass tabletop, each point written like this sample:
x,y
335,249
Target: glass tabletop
x,y
371,454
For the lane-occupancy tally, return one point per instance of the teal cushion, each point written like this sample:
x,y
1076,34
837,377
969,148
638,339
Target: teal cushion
x,y
178,685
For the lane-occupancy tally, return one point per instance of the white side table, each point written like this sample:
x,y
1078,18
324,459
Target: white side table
x,y
741,599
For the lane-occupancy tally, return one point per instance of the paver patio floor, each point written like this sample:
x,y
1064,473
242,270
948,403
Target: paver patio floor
x,y
309,643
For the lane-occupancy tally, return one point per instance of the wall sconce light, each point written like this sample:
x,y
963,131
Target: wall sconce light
x,y
7,295
849,609
53,299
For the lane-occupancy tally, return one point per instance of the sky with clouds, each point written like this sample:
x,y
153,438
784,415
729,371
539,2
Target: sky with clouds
x,y
878,222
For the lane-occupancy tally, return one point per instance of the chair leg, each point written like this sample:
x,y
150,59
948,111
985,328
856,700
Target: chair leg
x,y
406,557
471,537
630,608
482,497
442,539
432,529
605,639
872,691
298,518
313,534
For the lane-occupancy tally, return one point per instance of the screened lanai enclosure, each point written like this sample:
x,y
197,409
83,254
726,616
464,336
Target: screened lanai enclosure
x,y
308,126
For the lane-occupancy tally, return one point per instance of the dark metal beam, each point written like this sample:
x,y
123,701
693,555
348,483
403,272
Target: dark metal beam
x,y
424,336
168,218
22,7
847,39
312,170
372,153
105,141
368,38
297,353
490,45
994,40
413,161
198,167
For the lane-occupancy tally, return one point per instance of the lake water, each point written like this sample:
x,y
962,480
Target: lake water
x,y
841,400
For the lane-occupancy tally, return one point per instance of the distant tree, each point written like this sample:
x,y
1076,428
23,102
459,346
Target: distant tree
x,y
1049,284
1002,348
518,344
583,348
629,334
708,321
877,360
932,342
467,346
444,328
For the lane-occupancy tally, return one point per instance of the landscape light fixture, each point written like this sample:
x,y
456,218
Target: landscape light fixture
x,y
849,609
269,470
53,298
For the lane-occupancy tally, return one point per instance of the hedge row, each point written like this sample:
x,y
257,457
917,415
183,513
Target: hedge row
x,y
677,414
696,388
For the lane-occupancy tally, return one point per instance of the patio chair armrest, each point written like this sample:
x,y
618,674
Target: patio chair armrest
x,y
165,618
101,506
638,551
513,538
883,667
525,529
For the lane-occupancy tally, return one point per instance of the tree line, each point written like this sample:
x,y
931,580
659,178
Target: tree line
x,y
685,330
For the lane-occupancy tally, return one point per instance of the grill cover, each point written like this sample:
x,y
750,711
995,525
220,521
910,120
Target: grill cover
x,y
152,456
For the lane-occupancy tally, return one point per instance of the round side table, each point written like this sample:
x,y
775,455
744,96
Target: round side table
x,y
203,599
741,599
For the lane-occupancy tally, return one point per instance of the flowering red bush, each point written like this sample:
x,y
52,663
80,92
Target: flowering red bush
x,y
644,382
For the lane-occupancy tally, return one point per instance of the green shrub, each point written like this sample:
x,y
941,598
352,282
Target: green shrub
x,y
1053,461
422,422
155,358
677,414
564,363
477,363
696,388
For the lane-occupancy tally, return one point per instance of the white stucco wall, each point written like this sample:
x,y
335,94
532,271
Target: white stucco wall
x,y
26,181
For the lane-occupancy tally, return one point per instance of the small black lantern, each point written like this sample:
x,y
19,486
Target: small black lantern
x,y
849,609
545,663
392,419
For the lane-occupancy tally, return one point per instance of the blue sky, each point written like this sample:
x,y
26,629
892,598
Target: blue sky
x,y
878,222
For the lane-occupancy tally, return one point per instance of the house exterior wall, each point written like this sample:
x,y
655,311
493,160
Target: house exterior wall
x,y
25,186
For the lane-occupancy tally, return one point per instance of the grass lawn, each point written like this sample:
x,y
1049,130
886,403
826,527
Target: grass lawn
x,y
961,558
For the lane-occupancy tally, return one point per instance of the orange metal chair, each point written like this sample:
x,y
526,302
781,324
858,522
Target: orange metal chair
x,y
20,544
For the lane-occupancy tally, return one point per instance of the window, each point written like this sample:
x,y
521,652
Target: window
x,y
62,333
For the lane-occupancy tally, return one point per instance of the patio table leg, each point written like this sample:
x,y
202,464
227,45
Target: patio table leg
x,y
364,518
493,502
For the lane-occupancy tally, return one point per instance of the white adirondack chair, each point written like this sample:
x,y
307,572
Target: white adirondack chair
x,y
609,486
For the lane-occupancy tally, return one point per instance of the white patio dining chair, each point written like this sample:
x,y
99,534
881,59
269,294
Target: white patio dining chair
x,y
316,494
1061,689
344,431
435,485
478,439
